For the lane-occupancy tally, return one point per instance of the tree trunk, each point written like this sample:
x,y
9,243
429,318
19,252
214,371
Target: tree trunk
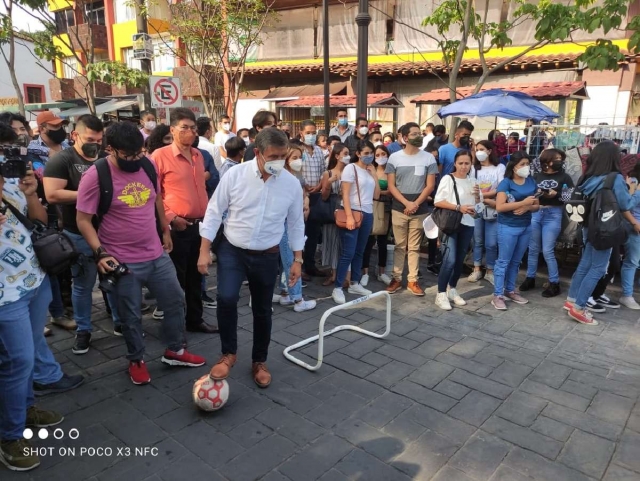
x,y
11,61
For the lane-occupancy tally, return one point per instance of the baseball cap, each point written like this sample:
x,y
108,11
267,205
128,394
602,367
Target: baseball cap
x,y
374,125
49,117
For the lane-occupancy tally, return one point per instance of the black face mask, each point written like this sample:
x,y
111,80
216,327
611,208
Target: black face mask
x,y
57,136
196,142
130,166
464,141
557,165
90,150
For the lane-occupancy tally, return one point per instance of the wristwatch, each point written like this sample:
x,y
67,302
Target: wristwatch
x,y
458,208
299,260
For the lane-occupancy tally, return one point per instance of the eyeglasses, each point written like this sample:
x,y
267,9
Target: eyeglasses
x,y
130,156
184,128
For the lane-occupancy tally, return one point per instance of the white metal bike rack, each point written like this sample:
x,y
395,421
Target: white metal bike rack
x,y
346,327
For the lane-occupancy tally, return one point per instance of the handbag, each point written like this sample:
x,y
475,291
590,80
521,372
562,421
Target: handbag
x,y
322,211
341,216
54,249
448,221
380,218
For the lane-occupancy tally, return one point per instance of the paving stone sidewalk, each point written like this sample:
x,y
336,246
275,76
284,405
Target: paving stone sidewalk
x,y
471,394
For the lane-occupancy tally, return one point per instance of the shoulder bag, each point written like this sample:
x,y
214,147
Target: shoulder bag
x,y
54,249
448,221
341,215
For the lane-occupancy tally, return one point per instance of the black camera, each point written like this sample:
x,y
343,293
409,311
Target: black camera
x,y
15,162
110,279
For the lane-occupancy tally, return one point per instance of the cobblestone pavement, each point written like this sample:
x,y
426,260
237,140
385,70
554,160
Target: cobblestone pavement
x,y
472,394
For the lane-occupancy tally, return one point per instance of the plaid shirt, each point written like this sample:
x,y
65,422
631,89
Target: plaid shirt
x,y
313,166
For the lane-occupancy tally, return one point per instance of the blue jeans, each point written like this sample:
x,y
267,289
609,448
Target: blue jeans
x,y
234,266
56,308
512,244
485,237
353,245
160,277
545,229
593,265
286,257
455,247
84,280
631,262
25,357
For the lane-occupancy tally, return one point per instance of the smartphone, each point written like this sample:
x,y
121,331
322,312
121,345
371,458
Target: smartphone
x,y
538,194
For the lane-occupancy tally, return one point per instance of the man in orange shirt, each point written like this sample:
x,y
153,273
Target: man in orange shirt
x,y
184,193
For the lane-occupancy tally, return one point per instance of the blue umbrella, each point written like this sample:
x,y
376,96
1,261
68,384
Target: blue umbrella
x,y
499,103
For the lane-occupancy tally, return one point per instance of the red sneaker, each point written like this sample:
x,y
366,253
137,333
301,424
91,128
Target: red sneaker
x,y
184,359
567,305
583,317
138,372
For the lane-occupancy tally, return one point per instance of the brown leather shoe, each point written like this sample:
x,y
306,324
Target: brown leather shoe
x,y
415,288
204,327
261,374
394,286
221,369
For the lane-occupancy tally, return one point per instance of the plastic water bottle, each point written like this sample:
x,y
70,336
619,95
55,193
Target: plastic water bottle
x,y
565,195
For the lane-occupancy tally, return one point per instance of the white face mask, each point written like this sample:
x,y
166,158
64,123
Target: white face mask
x,y
363,130
523,172
481,155
274,167
247,140
296,165
226,126
376,144
346,159
150,125
382,160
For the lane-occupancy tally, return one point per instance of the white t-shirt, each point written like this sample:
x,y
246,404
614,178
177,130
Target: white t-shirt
x,y
465,192
367,188
220,139
488,176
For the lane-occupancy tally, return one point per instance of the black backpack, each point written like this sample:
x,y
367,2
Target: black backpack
x,y
606,224
106,188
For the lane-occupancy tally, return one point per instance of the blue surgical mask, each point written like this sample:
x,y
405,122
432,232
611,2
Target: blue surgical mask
x,y
310,139
343,121
367,159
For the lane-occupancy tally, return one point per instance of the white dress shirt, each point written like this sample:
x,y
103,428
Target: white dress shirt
x,y
257,210
206,144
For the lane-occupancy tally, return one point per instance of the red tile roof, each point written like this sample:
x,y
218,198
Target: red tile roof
x,y
539,91
373,100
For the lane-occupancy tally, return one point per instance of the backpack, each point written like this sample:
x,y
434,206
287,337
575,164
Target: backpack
x,y
106,188
606,225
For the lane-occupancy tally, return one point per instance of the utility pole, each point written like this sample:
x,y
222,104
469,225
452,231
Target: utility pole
x,y
145,64
363,19
325,51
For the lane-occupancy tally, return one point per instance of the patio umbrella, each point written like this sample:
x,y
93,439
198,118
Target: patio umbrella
x,y
499,103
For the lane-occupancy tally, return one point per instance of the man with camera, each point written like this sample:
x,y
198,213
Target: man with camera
x,y
128,252
61,180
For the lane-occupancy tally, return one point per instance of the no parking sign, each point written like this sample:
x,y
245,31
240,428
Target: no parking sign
x,y
165,92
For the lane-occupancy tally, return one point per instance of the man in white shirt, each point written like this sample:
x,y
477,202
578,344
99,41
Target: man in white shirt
x,y
259,196
205,130
222,135
429,135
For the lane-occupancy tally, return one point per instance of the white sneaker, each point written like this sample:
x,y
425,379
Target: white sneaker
x,y
359,290
629,302
489,278
277,297
285,300
475,276
453,295
364,280
385,279
338,296
304,306
442,301
157,314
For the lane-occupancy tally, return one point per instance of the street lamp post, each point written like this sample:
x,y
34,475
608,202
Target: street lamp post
x,y
325,51
363,19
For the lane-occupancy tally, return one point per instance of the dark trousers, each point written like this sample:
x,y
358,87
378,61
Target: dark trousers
x,y
312,230
234,266
612,270
455,247
185,253
382,250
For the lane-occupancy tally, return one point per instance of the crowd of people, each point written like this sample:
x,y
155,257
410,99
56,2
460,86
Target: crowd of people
x,y
149,207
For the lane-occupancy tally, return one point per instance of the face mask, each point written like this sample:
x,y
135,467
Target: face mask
x,y
57,136
387,142
481,155
274,167
346,159
523,172
416,141
90,150
367,159
464,141
23,140
247,140
310,139
376,144
382,160
150,125
342,121
130,166
186,137
226,126
296,165
363,130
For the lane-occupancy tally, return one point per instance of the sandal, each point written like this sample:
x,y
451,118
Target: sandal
x,y
328,281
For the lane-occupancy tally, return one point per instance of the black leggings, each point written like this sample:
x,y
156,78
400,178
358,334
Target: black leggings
x,y
612,270
382,250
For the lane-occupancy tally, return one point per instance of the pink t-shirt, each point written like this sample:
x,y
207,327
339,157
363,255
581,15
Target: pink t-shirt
x,y
128,230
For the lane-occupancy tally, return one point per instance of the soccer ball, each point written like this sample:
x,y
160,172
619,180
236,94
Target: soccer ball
x,y
210,395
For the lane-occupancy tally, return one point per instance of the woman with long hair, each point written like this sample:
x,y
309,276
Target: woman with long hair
x,y
515,201
457,192
359,188
331,246
489,172
547,222
631,249
604,159
159,137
